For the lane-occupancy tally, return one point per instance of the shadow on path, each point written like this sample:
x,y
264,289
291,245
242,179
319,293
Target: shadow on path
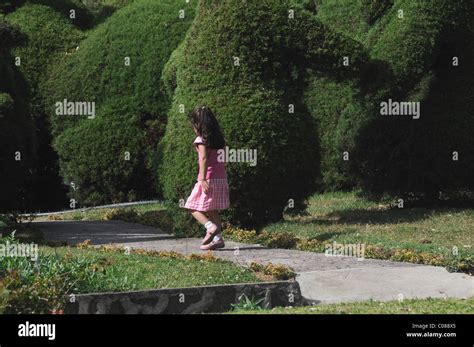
x,y
100,232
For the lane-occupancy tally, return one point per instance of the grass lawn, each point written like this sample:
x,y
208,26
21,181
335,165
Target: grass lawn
x,y
27,286
416,306
116,271
346,218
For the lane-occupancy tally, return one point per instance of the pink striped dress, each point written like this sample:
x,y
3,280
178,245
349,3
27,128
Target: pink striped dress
x,y
217,198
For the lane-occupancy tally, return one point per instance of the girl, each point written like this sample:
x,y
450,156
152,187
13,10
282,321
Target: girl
x,y
211,191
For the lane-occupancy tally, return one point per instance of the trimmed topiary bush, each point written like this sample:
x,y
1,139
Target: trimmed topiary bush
x,y
49,35
334,103
252,100
110,167
408,157
411,61
119,63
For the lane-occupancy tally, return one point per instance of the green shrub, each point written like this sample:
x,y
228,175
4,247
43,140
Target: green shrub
x,y
49,36
414,157
147,32
83,18
104,158
251,102
390,154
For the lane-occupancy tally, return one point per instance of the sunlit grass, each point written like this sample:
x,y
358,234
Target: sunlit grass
x,y
413,306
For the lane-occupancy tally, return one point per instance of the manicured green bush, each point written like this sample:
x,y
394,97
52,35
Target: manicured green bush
x,y
49,37
251,100
334,103
146,32
104,158
411,61
403,156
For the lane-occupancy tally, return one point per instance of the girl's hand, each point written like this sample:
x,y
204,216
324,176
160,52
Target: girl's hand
x,y
205,186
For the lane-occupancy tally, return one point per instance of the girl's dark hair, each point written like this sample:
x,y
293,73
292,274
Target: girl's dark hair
x,y
204,121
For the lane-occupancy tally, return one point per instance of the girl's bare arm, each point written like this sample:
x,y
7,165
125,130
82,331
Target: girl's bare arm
x,y
203,166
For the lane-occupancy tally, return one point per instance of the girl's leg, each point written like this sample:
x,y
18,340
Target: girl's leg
x,y
200,217
211,228
216,219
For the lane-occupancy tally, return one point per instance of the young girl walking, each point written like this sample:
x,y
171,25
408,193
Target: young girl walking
x,y
211,191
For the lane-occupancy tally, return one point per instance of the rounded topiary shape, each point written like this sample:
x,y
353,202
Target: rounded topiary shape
x,y
333,103
49,35
240,59
121,58
401,155
410,62
120,63
103,159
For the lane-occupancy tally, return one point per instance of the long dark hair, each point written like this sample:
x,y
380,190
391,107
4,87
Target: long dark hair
x,y
204,121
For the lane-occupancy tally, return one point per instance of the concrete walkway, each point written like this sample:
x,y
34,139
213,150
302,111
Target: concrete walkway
x,y
321,278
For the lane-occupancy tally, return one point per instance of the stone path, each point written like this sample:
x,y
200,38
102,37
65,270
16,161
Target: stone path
x,y
321,278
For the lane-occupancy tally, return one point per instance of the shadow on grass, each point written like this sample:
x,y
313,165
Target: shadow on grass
x,y
377,217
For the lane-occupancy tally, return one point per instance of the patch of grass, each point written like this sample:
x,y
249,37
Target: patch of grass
x,y
413,306
147,270
433,236
347,218
39,287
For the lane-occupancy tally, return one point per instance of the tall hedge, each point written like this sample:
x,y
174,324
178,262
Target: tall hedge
x,y
251,100
335,103
120,62
410,61
403,156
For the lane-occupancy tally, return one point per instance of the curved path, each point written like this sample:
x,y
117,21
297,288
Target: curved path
x,y
321,278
